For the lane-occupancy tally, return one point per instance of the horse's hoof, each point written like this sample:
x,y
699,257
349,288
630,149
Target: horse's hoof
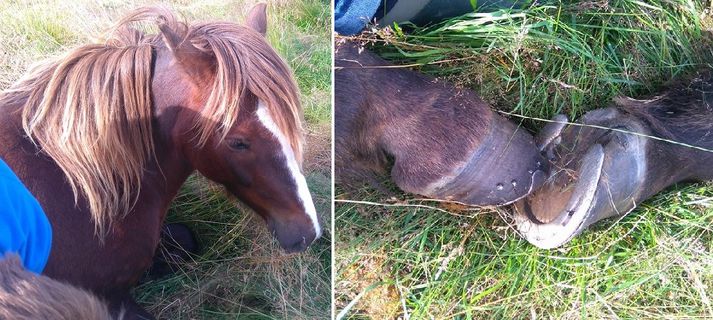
x,y
506,166
595,174
179,238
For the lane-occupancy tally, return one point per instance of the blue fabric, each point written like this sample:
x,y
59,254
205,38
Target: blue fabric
x,y
351,16
24,228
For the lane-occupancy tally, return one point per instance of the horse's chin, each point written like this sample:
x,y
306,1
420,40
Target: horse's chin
x,y
295,247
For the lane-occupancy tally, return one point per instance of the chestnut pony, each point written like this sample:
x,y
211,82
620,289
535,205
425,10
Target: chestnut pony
x,y
105,136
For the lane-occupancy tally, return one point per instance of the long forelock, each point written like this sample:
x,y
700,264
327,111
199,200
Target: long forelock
x,y
245,61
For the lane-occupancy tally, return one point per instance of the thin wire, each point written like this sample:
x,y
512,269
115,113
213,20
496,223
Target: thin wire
x,y
407,205
607,128
399,66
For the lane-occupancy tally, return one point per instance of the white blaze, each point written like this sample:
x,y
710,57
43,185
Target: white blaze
x,y
302,190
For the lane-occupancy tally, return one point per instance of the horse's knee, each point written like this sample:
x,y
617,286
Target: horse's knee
x,y
179,239
177,244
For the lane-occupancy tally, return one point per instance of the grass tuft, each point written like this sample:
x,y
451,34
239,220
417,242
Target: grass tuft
x,y
565,57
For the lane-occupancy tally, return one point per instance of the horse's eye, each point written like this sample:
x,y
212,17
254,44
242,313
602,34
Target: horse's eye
x,y
238,144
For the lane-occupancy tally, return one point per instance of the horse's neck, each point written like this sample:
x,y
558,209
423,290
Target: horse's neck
x,y
163,175
163,178
166,173
11,133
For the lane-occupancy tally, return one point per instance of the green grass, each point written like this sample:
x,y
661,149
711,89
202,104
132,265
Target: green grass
x,y
305,42
242,272
568,57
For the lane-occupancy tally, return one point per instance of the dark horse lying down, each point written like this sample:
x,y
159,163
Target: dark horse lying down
x,y
445,142
599,173
105,136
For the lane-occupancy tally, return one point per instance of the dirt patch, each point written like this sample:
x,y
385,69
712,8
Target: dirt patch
x,y
368,275
318,149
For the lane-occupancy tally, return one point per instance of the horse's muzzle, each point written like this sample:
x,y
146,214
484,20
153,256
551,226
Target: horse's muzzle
x,y
293,236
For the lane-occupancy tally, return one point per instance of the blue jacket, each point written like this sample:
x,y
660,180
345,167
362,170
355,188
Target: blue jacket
x,y
24,228
351,16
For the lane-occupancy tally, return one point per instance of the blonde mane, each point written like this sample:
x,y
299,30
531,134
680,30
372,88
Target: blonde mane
x,y
90,110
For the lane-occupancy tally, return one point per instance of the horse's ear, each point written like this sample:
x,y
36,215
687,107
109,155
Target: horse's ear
x,y
257,18
193,61
170,38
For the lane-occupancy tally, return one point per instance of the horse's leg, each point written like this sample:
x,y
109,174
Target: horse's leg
x,y
594,174
176,246
354,173
597,173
